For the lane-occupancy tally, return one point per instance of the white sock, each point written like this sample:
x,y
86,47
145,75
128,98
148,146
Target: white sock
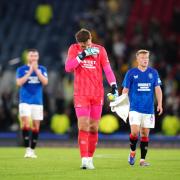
x,y
141,160
84,159
90,158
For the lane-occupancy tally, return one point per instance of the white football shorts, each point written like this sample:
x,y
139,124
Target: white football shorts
x,y
31,110
141,119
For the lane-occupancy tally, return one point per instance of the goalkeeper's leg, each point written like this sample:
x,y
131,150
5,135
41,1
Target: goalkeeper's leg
x,y
83,132
95,115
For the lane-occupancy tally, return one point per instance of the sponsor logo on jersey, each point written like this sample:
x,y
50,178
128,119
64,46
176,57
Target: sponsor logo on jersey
x,y
33,80
89,64
144,86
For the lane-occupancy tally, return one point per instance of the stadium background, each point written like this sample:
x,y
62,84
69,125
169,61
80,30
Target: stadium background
x,y
121,26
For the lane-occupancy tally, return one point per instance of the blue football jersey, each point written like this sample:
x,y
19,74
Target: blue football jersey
x,y
31,91
141,87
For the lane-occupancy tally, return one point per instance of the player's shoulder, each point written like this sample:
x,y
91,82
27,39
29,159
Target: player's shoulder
x,y
152,70
23,67
98,46
132,70
42,67
74,46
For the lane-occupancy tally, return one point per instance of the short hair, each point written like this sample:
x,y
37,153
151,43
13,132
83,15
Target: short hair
x,y
142,51
32,50
83,35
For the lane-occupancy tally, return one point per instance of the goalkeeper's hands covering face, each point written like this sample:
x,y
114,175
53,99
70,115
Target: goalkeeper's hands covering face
x,y
88,52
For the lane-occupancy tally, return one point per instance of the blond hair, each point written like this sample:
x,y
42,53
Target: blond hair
x,y
142,51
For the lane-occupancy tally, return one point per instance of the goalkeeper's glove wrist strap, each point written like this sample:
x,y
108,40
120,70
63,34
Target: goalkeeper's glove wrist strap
x,y
114,86
82,56
114,89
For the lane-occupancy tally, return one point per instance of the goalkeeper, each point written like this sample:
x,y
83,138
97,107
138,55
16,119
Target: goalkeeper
x,y
86,60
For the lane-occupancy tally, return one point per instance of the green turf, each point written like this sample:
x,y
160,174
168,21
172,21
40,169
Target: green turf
x,y
111,164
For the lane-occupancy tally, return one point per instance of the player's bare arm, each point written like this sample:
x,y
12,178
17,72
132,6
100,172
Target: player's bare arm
x,y
21,81
158,93
42,78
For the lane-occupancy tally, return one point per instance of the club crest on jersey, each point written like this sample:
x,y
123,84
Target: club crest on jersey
x,y
150,75
135,76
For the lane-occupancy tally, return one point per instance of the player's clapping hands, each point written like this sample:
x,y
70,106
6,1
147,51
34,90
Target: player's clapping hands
x,y
30,69
35,66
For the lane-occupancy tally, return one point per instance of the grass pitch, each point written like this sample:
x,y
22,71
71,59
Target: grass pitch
x,y
111,164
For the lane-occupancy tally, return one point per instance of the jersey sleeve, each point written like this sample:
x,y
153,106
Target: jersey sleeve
x,y
19,73
44,72
72,61
127,80
103,57
71,53
109,74
158,81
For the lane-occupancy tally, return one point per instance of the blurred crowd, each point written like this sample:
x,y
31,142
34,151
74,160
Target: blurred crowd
x,y
122,27
123,31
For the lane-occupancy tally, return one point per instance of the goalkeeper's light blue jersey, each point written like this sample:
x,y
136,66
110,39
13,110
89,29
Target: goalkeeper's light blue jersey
x,y
31,91
141,87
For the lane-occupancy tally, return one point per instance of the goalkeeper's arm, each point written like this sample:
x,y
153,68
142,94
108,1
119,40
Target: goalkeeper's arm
x,y
72,64
111,79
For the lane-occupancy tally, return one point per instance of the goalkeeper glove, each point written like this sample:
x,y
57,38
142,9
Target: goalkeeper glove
x,y
114,93
91,51
114,90
88,52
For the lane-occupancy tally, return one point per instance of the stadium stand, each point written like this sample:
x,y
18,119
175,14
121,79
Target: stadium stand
x,y
121,26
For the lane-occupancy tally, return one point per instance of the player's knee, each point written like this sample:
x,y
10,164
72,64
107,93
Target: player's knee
x,y
83,127
35,126
135,133
144,134
35,129
93,128
25,125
